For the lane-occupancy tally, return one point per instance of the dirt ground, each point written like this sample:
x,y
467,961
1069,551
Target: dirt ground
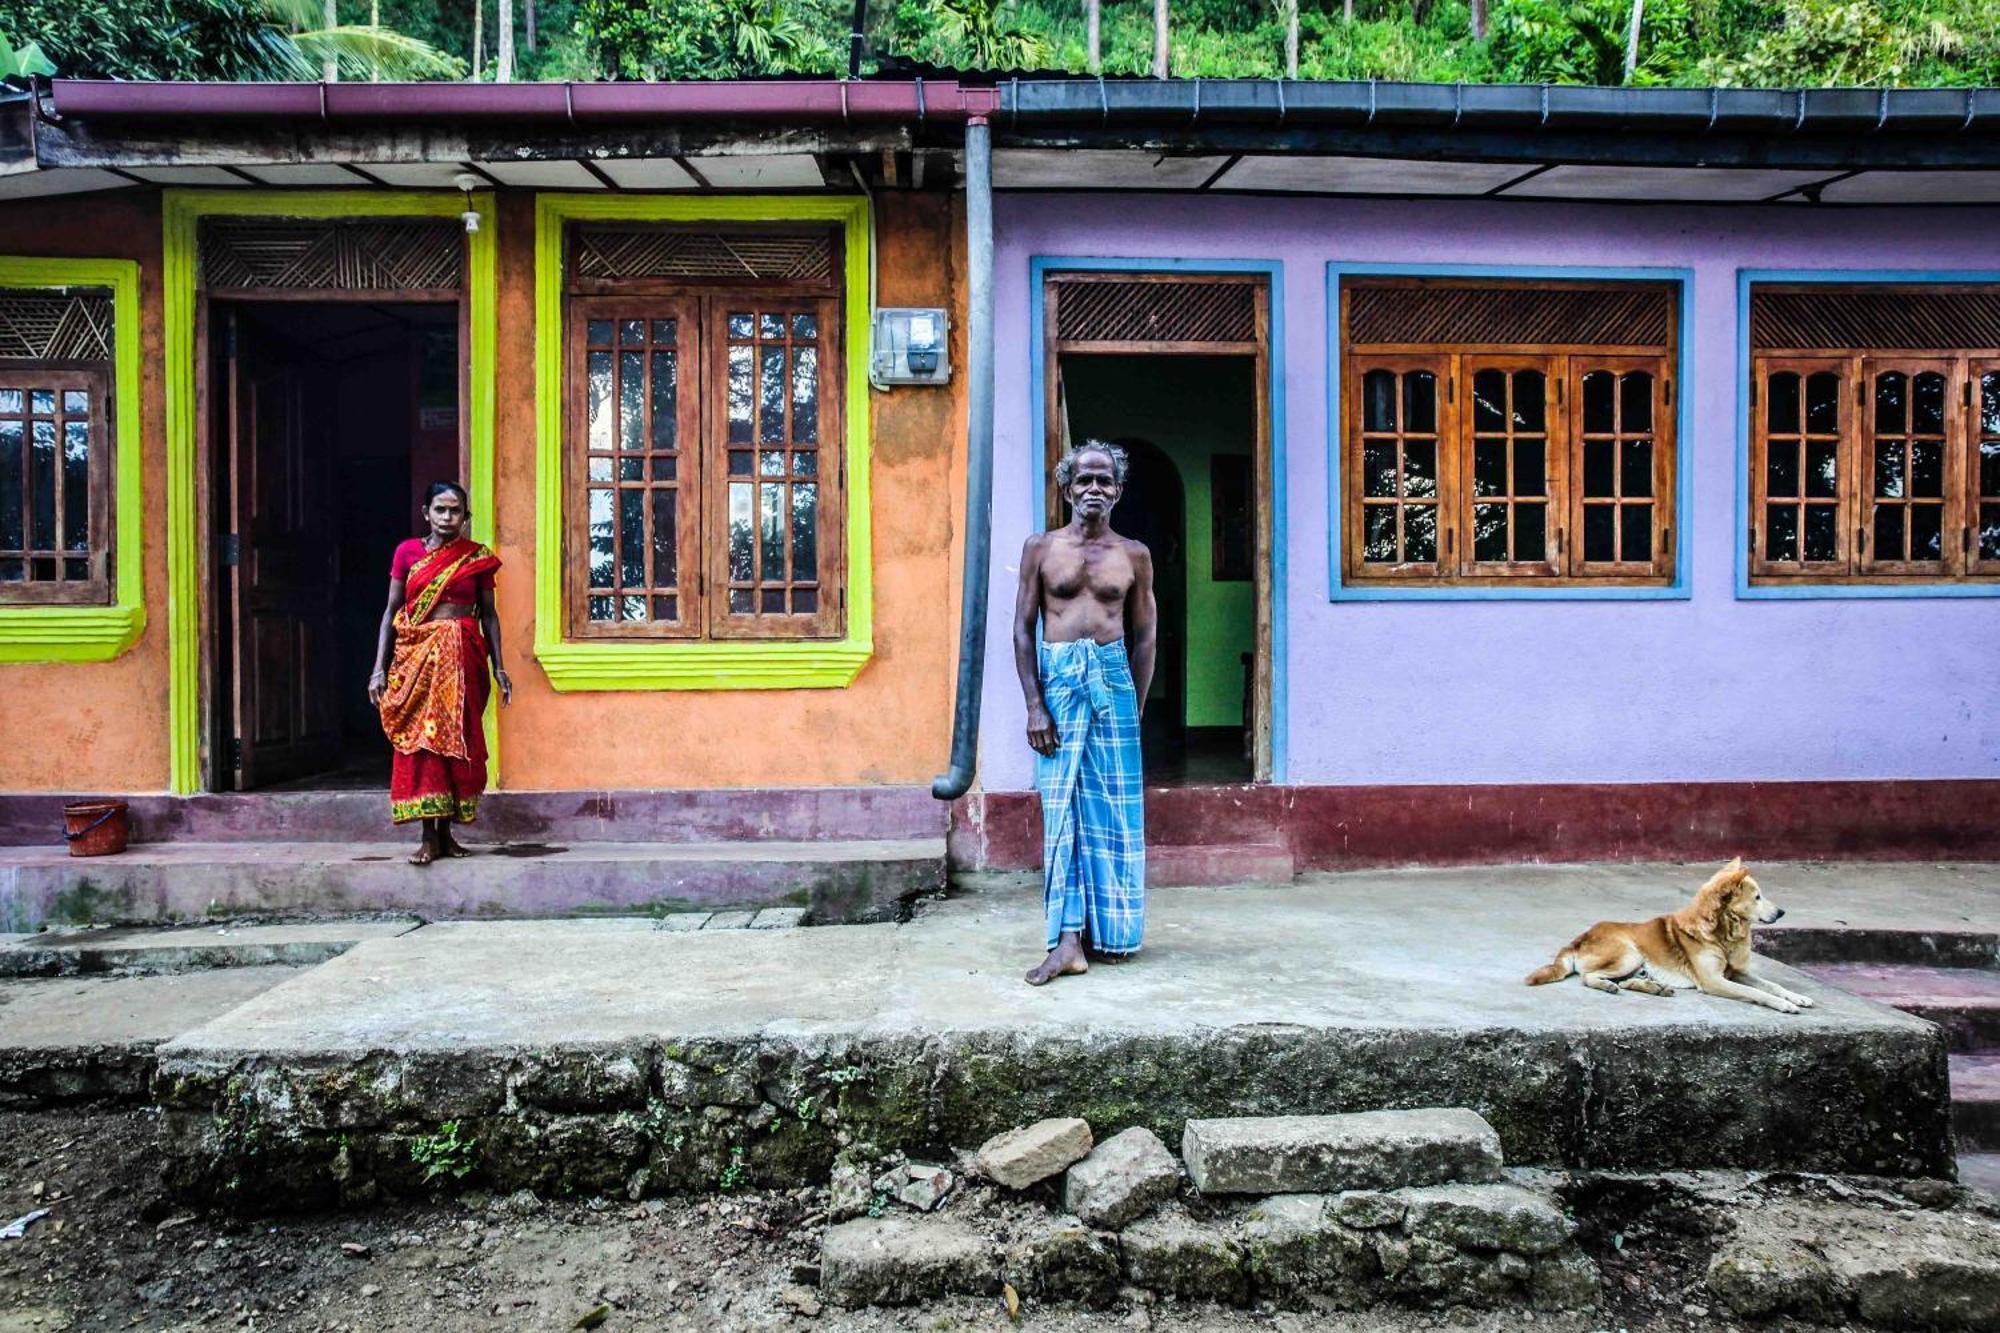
x,y
114,1253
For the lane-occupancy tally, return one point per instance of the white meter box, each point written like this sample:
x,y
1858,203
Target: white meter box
x,y
910,346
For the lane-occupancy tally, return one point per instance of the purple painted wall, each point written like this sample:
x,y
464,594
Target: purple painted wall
x,y
1708,688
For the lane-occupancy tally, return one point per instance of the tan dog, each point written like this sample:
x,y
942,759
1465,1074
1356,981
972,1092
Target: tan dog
x,y
1705,945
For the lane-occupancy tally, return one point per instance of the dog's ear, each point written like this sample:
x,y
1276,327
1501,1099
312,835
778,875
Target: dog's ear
x,y
1720,902
1735,867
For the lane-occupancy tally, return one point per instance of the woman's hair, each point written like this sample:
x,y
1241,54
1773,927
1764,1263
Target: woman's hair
x,y
438,488
1066,466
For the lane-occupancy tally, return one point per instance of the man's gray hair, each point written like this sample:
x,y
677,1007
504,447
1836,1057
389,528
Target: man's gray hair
x,y
1066,467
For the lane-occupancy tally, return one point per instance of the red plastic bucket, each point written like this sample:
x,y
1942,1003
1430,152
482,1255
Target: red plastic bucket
x,y
96,828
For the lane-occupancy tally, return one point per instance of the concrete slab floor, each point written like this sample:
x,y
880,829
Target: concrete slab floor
x,y
1389,950
124,1011
208,937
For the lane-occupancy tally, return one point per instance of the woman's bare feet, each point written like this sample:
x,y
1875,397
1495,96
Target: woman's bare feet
x,y
1065,960
448,845
427,850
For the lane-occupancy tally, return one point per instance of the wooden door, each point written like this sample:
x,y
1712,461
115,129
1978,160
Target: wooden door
x,y
280,559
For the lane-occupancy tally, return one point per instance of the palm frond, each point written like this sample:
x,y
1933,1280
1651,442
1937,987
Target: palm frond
x,y
363,49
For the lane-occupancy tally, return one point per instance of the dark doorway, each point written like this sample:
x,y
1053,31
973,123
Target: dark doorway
x,y
329,419
1189,426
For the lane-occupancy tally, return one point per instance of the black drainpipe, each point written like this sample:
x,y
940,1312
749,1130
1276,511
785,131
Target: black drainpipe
x,y
953,783
857,39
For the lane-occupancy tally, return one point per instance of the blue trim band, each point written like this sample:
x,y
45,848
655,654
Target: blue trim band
x,y
1273,271
1806,591
1680,589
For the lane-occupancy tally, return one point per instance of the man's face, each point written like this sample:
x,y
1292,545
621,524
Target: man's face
x,y
1093,484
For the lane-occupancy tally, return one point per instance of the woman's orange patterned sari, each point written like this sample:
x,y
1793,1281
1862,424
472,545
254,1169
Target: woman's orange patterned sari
x,y
436,691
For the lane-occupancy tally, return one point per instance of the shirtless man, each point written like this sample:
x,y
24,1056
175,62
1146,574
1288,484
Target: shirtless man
x,y
1092,591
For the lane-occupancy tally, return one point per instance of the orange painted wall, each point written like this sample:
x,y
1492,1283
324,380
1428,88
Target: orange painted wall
x,y
99,726
892,724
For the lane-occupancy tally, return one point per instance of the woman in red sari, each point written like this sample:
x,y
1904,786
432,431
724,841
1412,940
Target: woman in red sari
x,y
432,693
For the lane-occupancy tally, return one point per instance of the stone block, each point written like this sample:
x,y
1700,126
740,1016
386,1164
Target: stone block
x,y
904,1261
1486,1217
778,918
731,920
1758,1276
1124,1178
1175,1255
1368,1209
1565,1280
1021,1157
1066,1262
584,1081
1360,1150
1293,1247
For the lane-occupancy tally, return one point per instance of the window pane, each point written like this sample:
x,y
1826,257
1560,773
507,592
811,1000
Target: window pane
x,y
740,370
1926,532
76,570
740,601
1989,532
805,601
1378,467
1927,467
771,397
13,571
805,533
631,468
741,462
666,609
1597,467
771,328
666,542
1781,468
1635,393
1636,466
1489,532
774,601
1989,466
1989,402
76,485
1823,403
600,538
1420,538
1531,467
742,558
1823,468
666,400
1600,530
598,398
1420,402
1489,401
1420,467
1378,401
1822,542
10,400
1888,532
42,402
805,462
632,608
601,609
632,538
1598,416
1378,543
1781,532
600,468
1889,468
1781,399
76,402
632,400
772,552
1530,401
42,483
1891,411
13,519
597,332
1928,414
741,325
665,332
805,394
1637,546
1489,467
1531,532
632,332
804,328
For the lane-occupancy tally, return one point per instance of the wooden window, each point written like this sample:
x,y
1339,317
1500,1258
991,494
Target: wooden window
x,y
55,465
1482,449
706,445
1872,461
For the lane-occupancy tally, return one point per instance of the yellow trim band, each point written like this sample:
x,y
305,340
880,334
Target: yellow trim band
x,y
663,665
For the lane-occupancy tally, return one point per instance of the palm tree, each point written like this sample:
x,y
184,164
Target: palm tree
x,y
1291,9
530,16
1479,20
1159,39
1093,47
504,21
478,38
304,40
329,68
1632,39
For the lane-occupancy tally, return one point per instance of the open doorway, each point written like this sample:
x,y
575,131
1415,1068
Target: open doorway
x,y
328,419
1189,426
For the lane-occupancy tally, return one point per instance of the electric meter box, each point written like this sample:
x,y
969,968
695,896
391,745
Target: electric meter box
x,y
911,346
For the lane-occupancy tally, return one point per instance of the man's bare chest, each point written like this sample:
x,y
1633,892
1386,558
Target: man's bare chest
x,y
1101,573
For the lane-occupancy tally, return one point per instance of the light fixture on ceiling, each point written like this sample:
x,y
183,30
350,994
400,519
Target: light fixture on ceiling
x,y
467,182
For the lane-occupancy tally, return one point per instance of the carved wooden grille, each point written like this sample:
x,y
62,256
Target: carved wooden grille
x,y
1189,312
609,253
1944,320
55,326
404,254
1627,316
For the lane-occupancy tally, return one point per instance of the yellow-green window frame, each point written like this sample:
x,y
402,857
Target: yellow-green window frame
x,y
94,633
720,665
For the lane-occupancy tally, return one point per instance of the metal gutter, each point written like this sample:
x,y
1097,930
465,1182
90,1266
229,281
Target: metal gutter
x,y
955,781
785,100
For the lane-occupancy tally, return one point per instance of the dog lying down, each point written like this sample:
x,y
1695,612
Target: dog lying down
x,y
1705,945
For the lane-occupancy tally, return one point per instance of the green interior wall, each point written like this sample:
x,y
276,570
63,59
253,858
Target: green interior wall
x,y
1192,408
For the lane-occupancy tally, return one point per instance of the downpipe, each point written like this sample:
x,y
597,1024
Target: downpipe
x,y
955,781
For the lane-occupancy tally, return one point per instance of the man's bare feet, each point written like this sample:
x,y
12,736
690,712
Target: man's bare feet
x,y
1065,960
450,846
427,851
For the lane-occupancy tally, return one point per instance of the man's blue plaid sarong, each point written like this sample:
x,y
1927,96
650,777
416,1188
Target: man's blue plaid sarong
x,y
1093,798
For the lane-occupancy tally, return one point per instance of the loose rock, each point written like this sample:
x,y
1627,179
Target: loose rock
x,y
1487,1217
902,1261
1021,1157
1362,1150
1066,1263
1122,1180
1176,1255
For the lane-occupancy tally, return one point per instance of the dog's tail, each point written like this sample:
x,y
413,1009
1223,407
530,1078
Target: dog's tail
x,y
1564,964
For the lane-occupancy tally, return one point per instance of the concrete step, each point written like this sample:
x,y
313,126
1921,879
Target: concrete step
x,y
1965,1002
1361,1150
1181,865
833,881
1804,946
1975,1102
803,814
1980,1171
148,951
